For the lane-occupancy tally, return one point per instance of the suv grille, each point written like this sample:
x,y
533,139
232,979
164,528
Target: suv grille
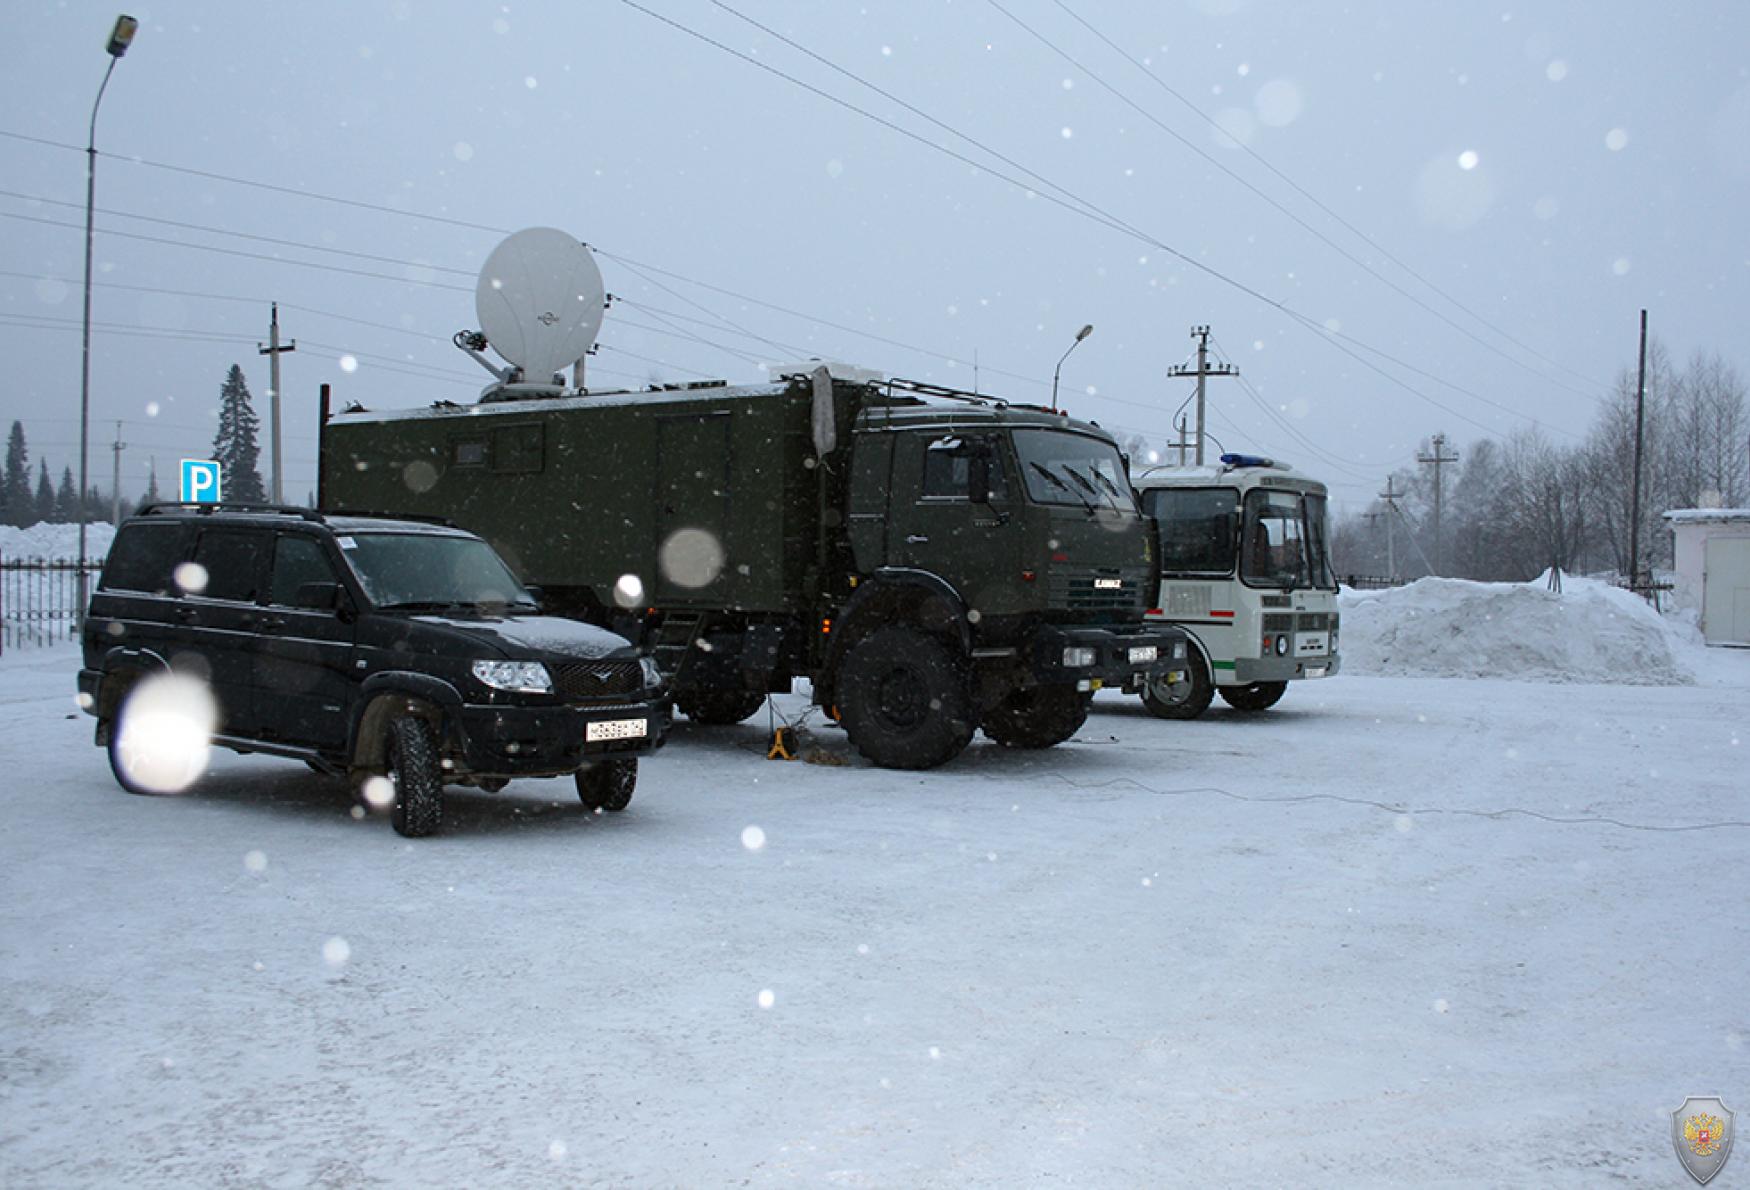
x,y
591,680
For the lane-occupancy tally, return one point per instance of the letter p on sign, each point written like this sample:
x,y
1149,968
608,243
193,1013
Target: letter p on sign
x,y
200,481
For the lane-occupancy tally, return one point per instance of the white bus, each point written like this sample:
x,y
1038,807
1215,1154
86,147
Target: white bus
x,y
1245,570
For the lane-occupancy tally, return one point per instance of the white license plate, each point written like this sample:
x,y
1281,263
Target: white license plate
x,y
617,729
1311,644
1316,671
1142,654
1108,584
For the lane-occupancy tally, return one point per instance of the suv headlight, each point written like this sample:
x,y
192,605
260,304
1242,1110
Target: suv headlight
x,y
1078,657
525,677
652,674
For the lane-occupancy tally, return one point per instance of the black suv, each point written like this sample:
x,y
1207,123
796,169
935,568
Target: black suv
x,y
371,647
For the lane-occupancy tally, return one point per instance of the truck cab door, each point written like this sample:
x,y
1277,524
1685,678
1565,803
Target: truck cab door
x,y
951,499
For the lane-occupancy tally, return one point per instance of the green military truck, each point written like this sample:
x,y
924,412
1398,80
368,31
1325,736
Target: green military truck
x,y
932,562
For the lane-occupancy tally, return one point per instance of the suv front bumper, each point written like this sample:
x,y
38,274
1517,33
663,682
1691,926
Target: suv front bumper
x,y
1110,651
546,741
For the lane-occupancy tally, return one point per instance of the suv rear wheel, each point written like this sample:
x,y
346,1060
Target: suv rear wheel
x,y
608,784
417,776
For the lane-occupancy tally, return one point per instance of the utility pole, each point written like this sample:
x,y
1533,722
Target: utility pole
x,y
273,351
1634,517
115,499
1201,334
1439,458
1390,497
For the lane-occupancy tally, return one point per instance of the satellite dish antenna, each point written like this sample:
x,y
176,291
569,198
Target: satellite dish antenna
x,y
540,301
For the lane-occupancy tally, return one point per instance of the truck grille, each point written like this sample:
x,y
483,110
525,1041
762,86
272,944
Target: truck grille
x,y
591,680
1092,590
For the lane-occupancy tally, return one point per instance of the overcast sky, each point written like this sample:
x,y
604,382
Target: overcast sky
x,y
1398,217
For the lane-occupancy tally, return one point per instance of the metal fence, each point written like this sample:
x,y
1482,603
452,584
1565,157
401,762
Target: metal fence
x,y
39,601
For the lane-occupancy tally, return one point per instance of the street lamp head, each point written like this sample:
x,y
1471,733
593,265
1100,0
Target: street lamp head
x,y
122,36
1084,332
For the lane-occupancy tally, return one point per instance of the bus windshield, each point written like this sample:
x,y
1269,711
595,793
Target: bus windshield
x,y
1073,469
1198,529
1283,541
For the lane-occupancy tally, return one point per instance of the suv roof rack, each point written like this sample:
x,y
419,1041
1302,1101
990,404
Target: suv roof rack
x,y
159,507
374,514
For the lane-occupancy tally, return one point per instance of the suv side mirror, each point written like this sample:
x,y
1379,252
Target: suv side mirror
x,y
320,597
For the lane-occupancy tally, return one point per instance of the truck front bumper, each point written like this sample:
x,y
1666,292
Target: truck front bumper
x,y
512,741
1095,657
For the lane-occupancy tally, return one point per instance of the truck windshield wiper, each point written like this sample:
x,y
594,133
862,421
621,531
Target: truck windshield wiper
x,y
1049,474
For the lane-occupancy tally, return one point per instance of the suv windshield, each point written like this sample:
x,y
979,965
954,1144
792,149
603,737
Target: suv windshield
x,y
1284,541
1073,469
430,570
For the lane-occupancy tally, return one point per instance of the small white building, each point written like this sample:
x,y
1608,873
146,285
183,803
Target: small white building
x,y
1713,570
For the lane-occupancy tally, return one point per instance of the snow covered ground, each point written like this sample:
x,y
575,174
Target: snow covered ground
x,y
1398,930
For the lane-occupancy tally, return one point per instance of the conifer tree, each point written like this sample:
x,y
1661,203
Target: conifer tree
x,y
45,493
66,499
234,446
17,505
151,496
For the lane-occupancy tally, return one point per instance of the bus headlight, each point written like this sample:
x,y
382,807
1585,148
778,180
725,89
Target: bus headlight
x,y
1282,646
1078,657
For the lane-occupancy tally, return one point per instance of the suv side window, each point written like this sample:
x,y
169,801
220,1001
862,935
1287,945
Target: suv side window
x,y
297,560
142,558
232,559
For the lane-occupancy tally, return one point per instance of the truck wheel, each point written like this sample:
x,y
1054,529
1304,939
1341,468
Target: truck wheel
x,y
1039,717
903,701
608,784
1258,696
719,708
1182,700
417,777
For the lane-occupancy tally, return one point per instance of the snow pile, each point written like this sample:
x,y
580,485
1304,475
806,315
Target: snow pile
x,y
43,542
1587,632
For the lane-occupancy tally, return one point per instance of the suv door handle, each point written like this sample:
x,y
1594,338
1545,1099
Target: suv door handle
x,y
916,539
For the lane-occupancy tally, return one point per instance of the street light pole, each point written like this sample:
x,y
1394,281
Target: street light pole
x,y
1080,335
120,38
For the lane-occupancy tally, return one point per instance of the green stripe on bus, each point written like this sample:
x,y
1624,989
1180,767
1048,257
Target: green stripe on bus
x,y
1224,665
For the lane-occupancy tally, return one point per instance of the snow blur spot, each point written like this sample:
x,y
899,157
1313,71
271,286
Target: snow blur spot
x,y
51,292
1452,198
973,615
991,856
1556,71
190,578
349,363
1616,140
691,558
862,948
336,951
84,701
501,26
1467,159
886,1084
152,408
462,150
753,838
766,998
556,1150
1404,823
1244,69
419,476
530,83
378,792
166,731
255,861
935,1053
358,813
1546,207
1257,344
1278,103
1066,132
834,168
1069,84
258,965
1441,1005
1620,266
629,591
1147,882
887,51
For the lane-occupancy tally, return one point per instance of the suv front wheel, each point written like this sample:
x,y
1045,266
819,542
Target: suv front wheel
x,y
417,776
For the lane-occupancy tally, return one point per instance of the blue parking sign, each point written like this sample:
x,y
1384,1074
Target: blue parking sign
x,y
200,481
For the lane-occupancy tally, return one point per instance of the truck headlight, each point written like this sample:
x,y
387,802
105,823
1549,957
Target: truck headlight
x,y
1078,657
652,674
525,677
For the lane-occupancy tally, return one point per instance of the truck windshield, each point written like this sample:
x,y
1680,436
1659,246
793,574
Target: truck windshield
x,y
1073,469
1283,541
430,571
